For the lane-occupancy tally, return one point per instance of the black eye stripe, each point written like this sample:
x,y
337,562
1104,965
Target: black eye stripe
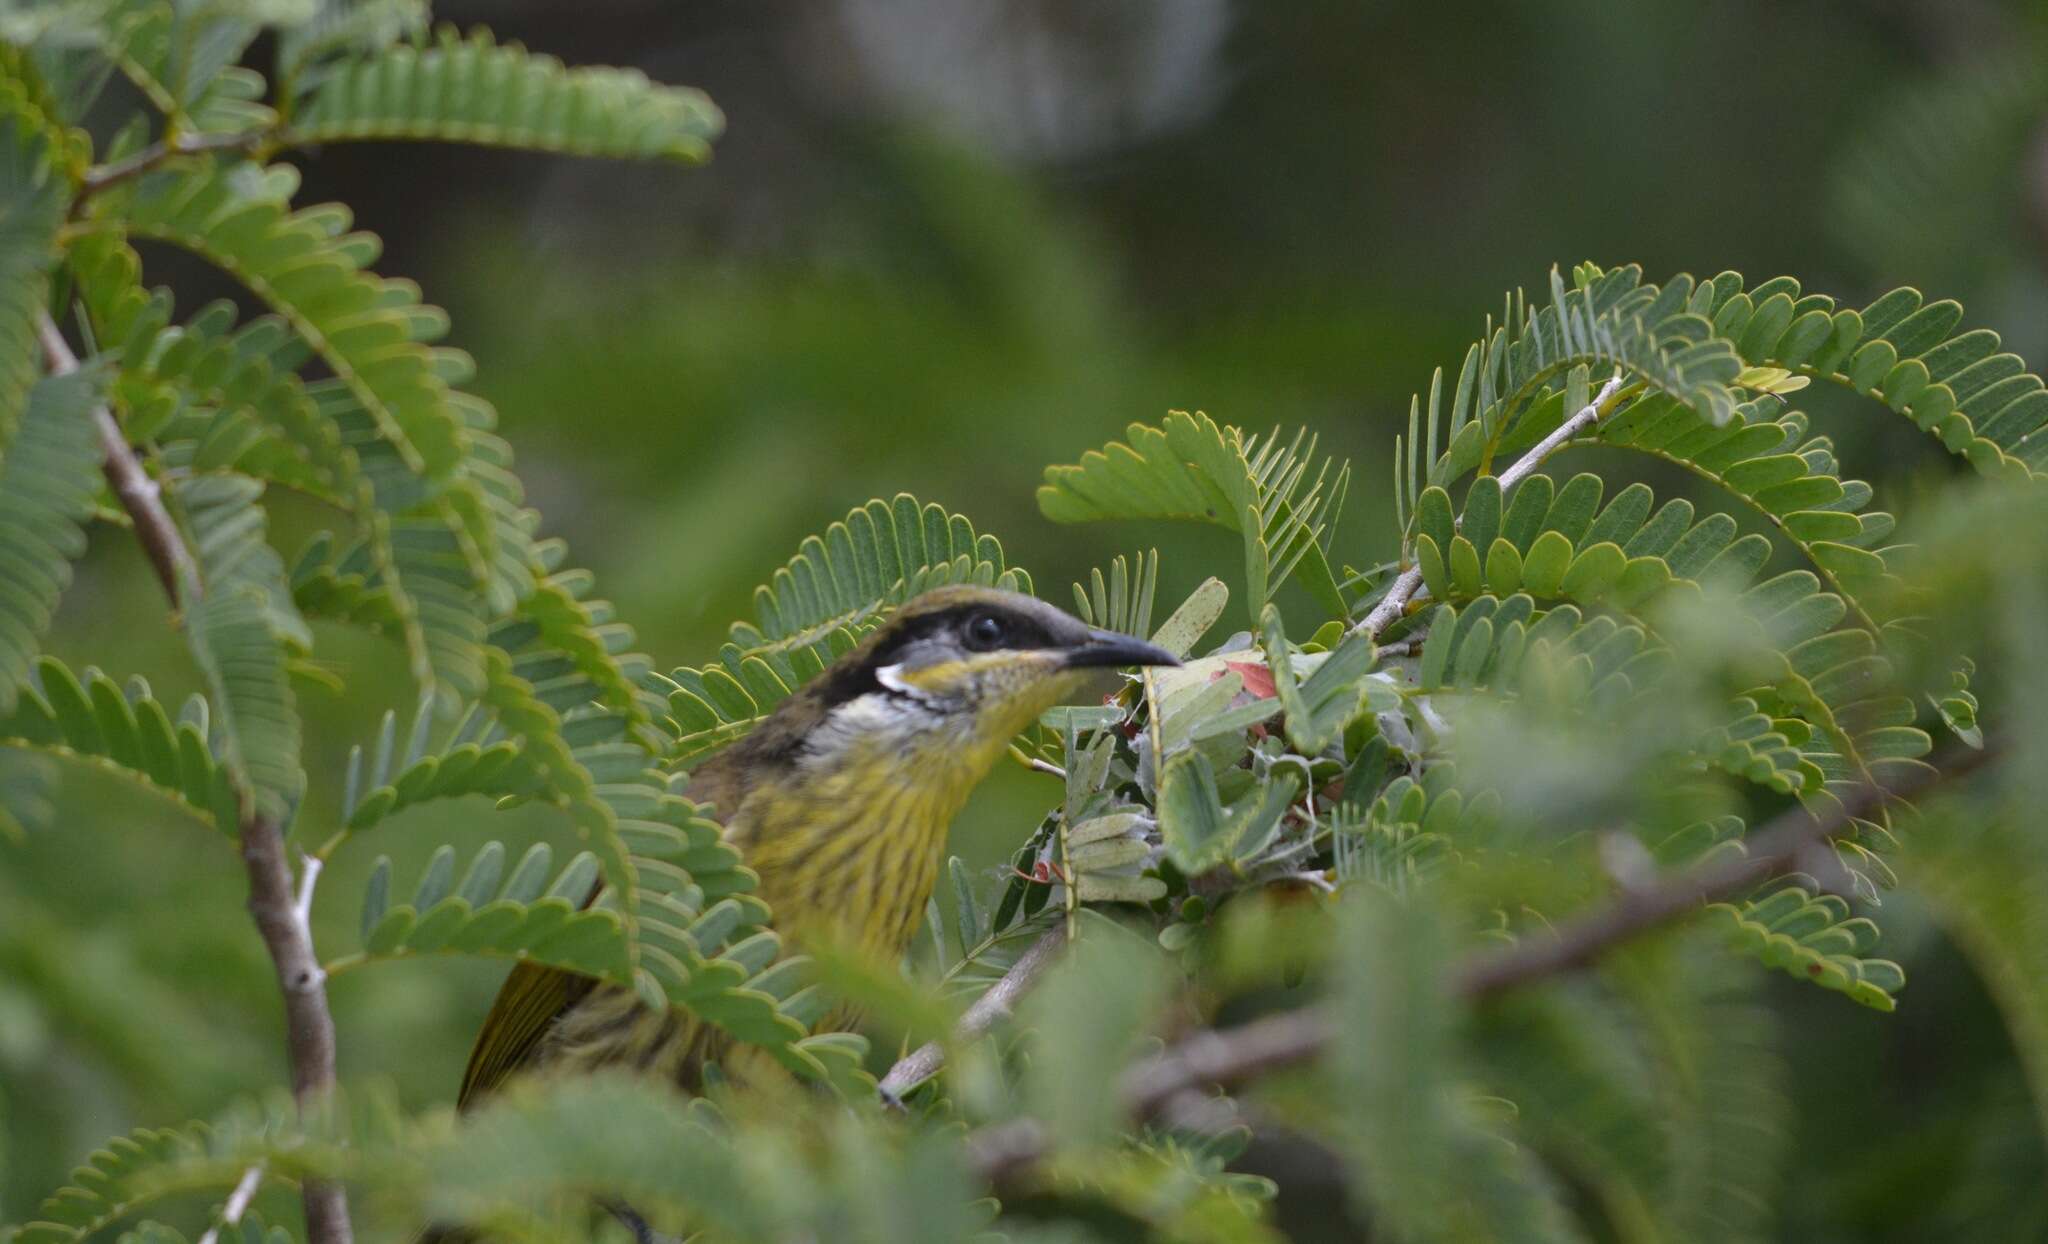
x,y
1019,631
986,631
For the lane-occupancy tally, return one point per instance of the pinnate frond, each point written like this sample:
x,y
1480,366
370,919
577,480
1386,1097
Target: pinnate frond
x,y
473,90
129,732
49,488
32,198
1122,601
1279,498
1979,402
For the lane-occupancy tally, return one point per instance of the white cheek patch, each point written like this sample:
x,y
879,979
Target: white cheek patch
x,y
891,676
887,720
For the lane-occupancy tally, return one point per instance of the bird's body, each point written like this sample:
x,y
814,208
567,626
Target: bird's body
x,y
840,802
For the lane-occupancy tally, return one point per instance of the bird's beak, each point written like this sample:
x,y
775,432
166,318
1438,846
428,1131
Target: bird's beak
x,y
1107,648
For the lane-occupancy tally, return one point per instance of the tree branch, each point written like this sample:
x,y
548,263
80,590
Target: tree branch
x,y
136,491
101,176
988,1010
280,915
1212,1059
1404,588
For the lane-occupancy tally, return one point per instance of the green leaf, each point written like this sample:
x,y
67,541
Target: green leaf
x,y
1085,1018
1980,404
49,486
1720,1083
182,58
1549,558
1180,633
481,916
1199,832
457,545
475,91
1123,601
1812,937
1512,387
26,784
1191,469
1320,707
32,201
242,660
1422,1164
128,735
131,1171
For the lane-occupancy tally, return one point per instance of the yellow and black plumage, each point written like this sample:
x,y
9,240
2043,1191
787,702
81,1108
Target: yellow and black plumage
x,y
840,801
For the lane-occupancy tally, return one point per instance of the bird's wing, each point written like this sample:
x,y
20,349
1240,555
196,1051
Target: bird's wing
x,y
532,997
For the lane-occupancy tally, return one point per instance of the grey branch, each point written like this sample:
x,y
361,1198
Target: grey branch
x,y
1409,582
988,1010
1222,1059
309,1027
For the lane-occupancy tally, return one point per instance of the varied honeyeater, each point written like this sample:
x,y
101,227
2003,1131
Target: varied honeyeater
x,y
840,801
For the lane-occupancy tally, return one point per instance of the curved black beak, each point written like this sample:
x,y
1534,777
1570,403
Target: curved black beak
x,y
1107,648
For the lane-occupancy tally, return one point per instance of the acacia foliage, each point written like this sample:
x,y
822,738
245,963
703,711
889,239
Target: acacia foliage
x,y
1306,806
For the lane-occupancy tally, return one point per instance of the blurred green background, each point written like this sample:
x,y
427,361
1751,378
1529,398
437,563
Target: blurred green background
x,y
946,243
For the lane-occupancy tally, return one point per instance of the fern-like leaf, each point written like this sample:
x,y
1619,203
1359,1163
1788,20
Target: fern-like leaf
x,y
49,486
1987,878
1814,938
1720,1083
129,733
1517,381
241,630
1979,402
182,59
1123,601
27,782
310,271
528,915
1573,1064
32,199
1560,543
1790,479
213,396
391,782
476,91
152,1164
1426,1164
1279,499
436,543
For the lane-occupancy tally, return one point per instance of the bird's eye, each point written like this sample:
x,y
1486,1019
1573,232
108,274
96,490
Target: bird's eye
x,y
986,632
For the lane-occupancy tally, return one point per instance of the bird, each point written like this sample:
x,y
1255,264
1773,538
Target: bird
x,y
840,801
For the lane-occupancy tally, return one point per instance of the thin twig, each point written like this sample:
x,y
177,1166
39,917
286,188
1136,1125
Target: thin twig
x,y
237,1203
1584,418
279,916
988,1010
1222,1059
1410,581
100,176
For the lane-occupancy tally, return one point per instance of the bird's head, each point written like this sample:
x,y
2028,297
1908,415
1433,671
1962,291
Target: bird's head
x,y
988,660
947,681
